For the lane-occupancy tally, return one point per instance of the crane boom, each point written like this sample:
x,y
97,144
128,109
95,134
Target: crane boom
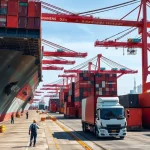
x,y
102,71
118,44
50,89
65,54
52,68
69,18
54,85
65,62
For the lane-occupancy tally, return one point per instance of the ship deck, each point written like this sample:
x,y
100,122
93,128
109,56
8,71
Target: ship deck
x,y
65,134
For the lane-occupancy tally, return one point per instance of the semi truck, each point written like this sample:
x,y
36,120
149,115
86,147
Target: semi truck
x,y
104,116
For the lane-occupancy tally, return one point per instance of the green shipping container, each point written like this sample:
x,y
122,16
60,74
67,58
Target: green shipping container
x,y
23,4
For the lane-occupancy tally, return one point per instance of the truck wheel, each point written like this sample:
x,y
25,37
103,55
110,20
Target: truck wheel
x,y
122,137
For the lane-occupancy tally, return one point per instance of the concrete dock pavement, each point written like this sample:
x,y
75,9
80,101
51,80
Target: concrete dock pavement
x,y
17,136
51,135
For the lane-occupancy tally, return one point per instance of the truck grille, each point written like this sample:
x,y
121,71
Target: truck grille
x,y
116,126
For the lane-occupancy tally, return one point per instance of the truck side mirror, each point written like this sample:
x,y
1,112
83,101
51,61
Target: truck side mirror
x,y
128,113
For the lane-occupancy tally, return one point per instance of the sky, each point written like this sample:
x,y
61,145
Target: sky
x,y
81,38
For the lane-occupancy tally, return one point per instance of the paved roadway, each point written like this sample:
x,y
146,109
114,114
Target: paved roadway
x,y
133,140
50,135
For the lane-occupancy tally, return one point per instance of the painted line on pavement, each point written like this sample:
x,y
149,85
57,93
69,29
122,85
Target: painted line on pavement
x,y
84,145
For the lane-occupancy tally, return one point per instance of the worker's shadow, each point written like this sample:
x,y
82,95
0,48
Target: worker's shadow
x,y
20,146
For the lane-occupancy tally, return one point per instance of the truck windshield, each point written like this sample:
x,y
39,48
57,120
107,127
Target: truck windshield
x,y
112,113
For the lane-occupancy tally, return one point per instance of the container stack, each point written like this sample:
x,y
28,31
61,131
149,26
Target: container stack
x,y
105,84
16,15
63,96
54,105
71,94
131,104
84,87
144,102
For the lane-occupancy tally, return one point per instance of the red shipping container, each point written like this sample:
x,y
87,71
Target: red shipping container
x,y
30,24
34,9
13,8
146,117
77,104
3,4
37,23
22,22
38,9
144,100
12,21
2,21
135,119
23,11
31,9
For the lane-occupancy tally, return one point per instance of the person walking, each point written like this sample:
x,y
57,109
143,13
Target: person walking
x,y
27,114
33,132
12,118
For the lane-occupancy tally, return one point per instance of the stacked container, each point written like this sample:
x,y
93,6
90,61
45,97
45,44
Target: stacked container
x,y
105,84
20,14
144,102
71,93
84,87
54,105
63,96
131,104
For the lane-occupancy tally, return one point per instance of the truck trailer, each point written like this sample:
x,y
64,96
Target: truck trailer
x,y
104,116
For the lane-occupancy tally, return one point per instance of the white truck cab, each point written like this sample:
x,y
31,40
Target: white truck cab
x,y
110,118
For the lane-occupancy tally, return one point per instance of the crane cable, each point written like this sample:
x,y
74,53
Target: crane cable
x,y
110,7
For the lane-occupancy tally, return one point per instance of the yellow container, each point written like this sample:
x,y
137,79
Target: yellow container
x,y
2,129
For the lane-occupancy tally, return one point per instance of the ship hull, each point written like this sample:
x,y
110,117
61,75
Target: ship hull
x,y
18,68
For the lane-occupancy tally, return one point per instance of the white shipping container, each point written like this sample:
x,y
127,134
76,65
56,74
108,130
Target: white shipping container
x,y
103,84
97,85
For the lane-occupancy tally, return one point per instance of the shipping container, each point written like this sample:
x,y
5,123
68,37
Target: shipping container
x,y
134,122
12,22
3,4
37,23
34,9
2,21
22,22
13,8
146,117
30,24
144,100
129,101
3,11
23,11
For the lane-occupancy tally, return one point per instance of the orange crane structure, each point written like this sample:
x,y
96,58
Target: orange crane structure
x,y
115,68
61,51
60,15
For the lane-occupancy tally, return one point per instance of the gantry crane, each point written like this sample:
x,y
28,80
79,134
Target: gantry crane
x,y
61,15
115,68
37,95
61,51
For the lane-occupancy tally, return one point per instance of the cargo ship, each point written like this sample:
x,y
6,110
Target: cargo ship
x,y
20,55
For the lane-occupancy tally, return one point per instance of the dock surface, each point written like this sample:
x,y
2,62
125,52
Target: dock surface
x,y
64,134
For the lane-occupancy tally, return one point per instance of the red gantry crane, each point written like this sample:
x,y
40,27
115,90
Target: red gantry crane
x,y
37,92
60,61
60,15
61,51
115,68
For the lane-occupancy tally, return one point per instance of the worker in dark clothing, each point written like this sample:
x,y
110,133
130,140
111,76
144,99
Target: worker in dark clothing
x,y
12,118
33,131
27,114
